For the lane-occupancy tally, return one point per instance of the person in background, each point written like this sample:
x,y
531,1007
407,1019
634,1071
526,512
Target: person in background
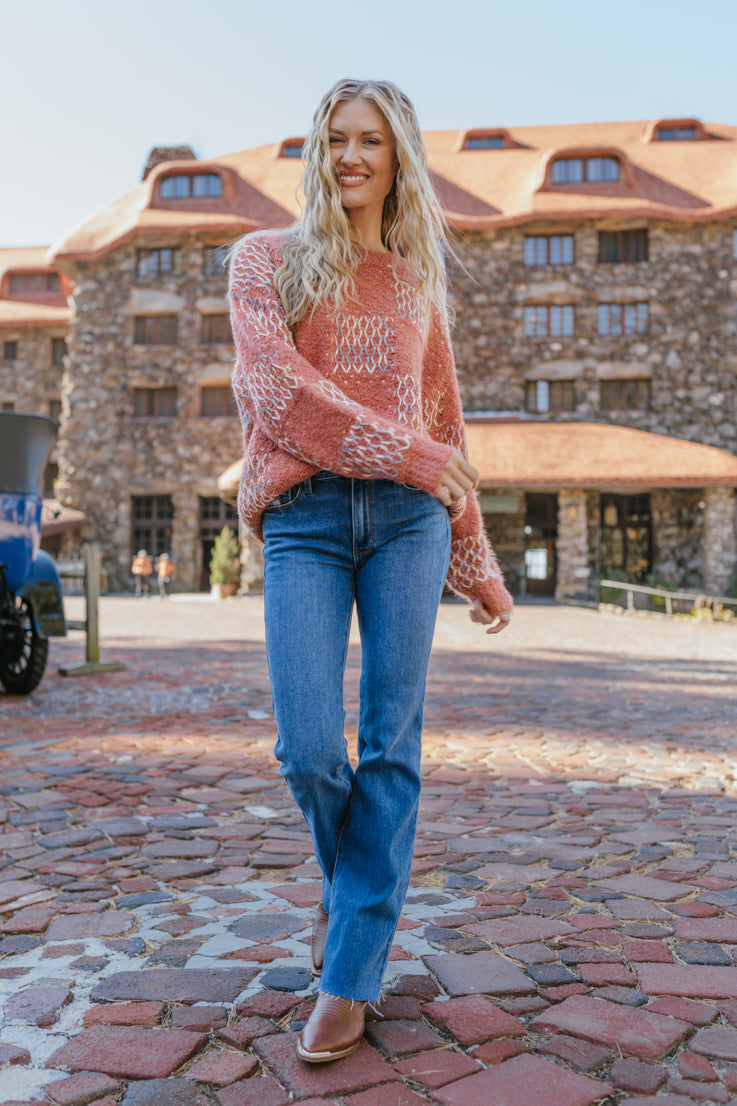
x,y
356,477
142,568
165,571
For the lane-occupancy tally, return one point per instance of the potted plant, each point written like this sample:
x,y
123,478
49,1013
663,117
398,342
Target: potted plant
x,y
225,565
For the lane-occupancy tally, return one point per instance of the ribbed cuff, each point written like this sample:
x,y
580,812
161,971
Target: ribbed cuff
x,y
425,463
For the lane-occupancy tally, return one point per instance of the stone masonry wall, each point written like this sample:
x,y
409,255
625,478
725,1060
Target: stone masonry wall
x,y
572,546
107,455
678,536
720,541
690,352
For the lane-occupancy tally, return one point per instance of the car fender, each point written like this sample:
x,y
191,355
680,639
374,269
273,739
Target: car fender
x,y
42,589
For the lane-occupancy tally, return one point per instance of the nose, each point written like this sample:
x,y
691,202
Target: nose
x,y
350,154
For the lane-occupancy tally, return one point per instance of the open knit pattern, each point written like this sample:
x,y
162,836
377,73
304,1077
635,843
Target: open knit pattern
x,y
355,390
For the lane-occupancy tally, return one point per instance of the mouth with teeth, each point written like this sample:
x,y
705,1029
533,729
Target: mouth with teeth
x,y
351,180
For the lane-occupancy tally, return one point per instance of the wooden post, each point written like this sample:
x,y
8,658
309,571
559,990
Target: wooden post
x,y
91,624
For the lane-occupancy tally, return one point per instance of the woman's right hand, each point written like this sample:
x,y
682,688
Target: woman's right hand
x,y
456,480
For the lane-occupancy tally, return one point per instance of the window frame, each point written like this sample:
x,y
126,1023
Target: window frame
x,y
158,397
157,270
10,350
548,239
560,169
174,184
56,344
209,335
19,283
217,396
560,396
148,330
555,325
607,390
637,311
626,243
210,265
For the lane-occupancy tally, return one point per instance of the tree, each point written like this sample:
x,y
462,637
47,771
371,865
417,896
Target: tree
x,y
225,565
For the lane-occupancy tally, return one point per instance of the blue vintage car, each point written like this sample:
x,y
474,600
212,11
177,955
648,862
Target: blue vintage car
x,y
31,607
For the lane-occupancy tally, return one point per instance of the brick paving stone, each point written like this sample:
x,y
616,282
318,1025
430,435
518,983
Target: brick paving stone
x,y
478,973
437,1067
699,1013
267,1004
221,1068
37,1005
636,1032
401,1038
636,1075
240,1034
257,1091
111,923
267,927
693,1091
688,980
716,1042
386,1094
128,1051
175,984
692,1066
127,1013
199,1018
164,1092
472,1019
649,952
517,1082
581,1055
362,1069
394,1007
13,1054
520,930
79,1089
598,974
495,1052
721,930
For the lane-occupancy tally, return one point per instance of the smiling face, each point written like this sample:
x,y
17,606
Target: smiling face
x,y
364,157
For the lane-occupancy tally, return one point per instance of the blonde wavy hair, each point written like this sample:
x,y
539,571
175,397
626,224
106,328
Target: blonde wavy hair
x,y
323,250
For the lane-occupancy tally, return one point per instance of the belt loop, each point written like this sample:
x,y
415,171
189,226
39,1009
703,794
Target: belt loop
x,y
308,485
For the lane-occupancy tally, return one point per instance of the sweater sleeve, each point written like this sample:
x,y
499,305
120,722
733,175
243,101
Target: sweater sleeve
x,y
297,408
474,571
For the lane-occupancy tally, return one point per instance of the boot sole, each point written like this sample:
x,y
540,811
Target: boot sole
x,y
324,1057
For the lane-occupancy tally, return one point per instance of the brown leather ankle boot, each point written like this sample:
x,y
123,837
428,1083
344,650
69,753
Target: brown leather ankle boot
x,y
319,938
334,1029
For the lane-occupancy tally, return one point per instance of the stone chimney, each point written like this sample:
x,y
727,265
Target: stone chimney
x,y
167,153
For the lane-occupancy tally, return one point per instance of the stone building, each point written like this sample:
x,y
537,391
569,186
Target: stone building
x,y
594,283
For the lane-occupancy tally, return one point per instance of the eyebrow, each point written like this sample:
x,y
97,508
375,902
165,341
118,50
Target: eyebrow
x,y
336,130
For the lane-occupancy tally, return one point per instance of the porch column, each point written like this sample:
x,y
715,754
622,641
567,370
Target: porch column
x,y
720,540
572,545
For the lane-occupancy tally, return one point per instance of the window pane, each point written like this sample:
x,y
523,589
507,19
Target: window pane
x,y
594,169
214,259
485,142
530,321
206,184
611,169
542,396
58,351
295,150
531,250
10,351
175,188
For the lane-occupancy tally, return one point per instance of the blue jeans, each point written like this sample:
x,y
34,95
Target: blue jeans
x,y
330,542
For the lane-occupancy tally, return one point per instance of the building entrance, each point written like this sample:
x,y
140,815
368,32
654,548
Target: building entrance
x,y
541,531
214,514
626,537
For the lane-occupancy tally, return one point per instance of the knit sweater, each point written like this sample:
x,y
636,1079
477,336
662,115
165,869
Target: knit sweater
x,y
357,390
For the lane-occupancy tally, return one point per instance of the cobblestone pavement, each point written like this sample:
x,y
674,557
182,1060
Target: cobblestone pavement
x,y
569,936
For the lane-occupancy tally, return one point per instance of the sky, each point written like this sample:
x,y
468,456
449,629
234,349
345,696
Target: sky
x,y
88,87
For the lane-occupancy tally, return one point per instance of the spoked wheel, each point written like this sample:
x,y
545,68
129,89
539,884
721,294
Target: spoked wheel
x,y
23,651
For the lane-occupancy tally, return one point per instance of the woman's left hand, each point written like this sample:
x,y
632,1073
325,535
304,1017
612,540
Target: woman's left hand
x,y
495,622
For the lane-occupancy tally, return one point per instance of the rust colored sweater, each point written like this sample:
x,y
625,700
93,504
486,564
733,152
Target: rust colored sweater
x,y
355,390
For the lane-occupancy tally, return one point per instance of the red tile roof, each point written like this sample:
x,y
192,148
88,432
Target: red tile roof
x,y
673,180
532,454
16,311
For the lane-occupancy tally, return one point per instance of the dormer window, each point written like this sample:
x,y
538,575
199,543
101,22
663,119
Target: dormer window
x,y
34,284
187,186
584,170
677,134
677,130
486,140
292,147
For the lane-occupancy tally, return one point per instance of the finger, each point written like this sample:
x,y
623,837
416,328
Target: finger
x,y
469,471
500,624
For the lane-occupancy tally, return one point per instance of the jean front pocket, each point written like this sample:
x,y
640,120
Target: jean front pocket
x,y
286,499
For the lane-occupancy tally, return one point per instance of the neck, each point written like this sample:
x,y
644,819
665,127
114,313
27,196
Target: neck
x,y
368,224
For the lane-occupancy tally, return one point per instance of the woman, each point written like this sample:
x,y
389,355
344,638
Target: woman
x,y
355,476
